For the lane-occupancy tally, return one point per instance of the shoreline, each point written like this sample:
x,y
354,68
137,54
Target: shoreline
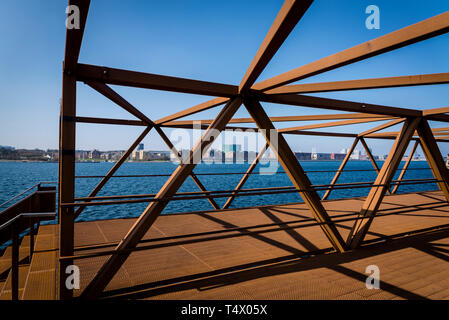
x,y
168,161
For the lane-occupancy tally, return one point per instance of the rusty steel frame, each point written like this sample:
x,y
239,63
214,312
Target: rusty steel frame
x,y
246,175
405,167
384,178
251,94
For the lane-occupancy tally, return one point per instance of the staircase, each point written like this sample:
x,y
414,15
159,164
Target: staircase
x,y
20,259
37,278
5,269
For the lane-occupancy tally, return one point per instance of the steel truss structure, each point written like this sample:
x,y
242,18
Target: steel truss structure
x,y
279,90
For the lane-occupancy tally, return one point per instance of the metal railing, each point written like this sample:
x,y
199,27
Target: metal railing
x,y
25,216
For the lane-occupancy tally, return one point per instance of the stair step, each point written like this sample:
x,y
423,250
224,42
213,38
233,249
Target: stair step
x,y
6,291
41,280
5,260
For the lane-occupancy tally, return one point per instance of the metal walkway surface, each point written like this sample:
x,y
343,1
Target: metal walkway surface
x,y
273,252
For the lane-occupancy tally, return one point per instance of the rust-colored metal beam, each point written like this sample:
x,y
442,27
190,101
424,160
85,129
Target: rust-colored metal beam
x,y
441,117
74,37
192,175
382,126
287,18
341,168
67,145
246,175
332,124
119,100
150,214
195,109
405,167
295,172
417,32
114,168
434,157
111,121
435,111
340,105
384,178
369,154
136,79
363,84
282,119
371,158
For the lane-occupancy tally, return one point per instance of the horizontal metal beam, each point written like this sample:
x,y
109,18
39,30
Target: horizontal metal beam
x,y
136,79
283,119
111,121
435,111
341,105
332,124
363,84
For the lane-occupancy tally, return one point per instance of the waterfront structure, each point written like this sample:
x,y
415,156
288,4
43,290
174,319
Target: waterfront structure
x,y
231,248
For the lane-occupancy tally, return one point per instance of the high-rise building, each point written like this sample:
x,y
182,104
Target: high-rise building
x,y
232,148
140,147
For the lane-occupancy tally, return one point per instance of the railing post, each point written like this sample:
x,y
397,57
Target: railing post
x,y
32,231
15,262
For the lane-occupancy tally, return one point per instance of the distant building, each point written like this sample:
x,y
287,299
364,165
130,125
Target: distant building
x,y
303,155
94,154
140,147
356,155
232,148
7,148
338,156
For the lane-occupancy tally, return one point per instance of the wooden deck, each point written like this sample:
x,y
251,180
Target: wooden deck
x,y
263,262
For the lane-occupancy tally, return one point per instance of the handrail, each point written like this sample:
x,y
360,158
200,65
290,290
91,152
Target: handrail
x,y
34,208
247,192
23,192
15,230
232,173
27,215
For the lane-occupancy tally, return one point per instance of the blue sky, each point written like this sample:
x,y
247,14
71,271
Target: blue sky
x,y
205,40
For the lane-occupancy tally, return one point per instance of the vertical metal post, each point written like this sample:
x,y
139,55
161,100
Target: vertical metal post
x,y
32,231
66,178
15,261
